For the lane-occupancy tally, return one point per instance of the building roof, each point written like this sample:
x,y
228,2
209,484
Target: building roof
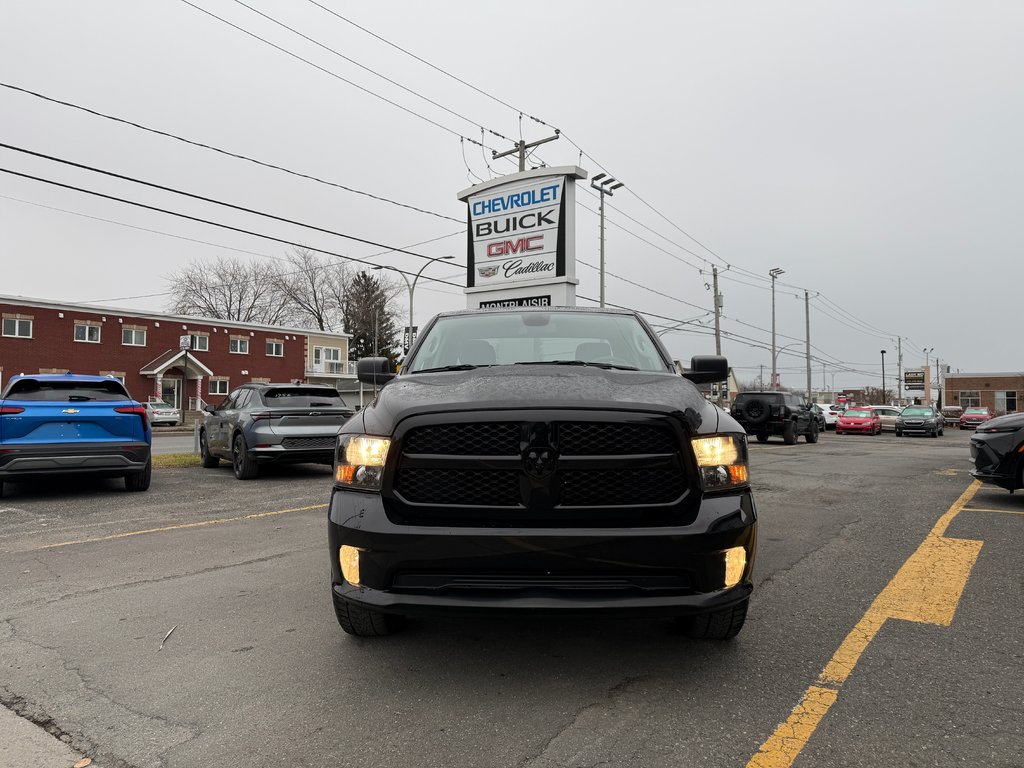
x,y
48,304
967,375
170,358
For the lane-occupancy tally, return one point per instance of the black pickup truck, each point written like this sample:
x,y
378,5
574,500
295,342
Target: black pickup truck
x,y
546,460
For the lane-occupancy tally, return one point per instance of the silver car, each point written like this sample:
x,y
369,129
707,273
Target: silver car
x,y
263,423
160,412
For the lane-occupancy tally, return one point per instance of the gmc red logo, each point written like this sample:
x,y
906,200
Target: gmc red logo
x,y
510,247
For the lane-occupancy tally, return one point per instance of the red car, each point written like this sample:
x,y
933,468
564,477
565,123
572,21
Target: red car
x,y
972,417
859,420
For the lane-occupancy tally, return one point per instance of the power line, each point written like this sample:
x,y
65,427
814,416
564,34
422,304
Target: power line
x,y
193,196
329,72
371,71
226,152
231,228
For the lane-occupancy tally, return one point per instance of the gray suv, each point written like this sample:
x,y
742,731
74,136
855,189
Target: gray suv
x,y
262,423
776,413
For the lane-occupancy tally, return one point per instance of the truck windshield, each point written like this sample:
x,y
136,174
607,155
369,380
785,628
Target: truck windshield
x,y
542,338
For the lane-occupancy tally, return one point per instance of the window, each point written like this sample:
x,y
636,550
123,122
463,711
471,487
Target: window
x,y
969,398
89,333
17,327
1006,402
218,386
238,346
275,349
327,359
200,343
133,337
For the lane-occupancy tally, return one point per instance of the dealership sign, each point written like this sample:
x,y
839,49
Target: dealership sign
x,y
914,379
516,233
518,301
521,237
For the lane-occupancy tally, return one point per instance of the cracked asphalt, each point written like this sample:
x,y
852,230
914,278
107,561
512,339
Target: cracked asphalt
x,y
257,672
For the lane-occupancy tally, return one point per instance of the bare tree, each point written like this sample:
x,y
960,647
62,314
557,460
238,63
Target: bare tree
x,y
229,288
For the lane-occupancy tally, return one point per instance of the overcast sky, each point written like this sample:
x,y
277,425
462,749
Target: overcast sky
x,y
871,150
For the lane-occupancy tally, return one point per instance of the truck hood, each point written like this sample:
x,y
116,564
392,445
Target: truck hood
x,y
549,387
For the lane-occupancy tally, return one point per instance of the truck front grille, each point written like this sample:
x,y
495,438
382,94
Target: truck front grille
x,y
630,472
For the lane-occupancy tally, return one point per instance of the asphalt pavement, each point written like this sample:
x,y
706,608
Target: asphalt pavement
x,y
884,631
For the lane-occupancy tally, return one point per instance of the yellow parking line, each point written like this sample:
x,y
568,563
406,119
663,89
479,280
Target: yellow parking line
x,y
183,526
926,589
1004,511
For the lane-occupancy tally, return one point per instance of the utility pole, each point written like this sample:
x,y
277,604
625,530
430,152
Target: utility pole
x,y
520,148
883,378
938,379
807,318
605,185
774,273
899,366
761,377
718,311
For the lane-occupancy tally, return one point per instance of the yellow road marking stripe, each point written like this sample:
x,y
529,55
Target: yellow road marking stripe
x,y
926,589
1004,511
183,526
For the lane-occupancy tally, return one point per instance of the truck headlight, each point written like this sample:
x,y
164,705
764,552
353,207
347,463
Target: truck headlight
x,y
360,461
722,460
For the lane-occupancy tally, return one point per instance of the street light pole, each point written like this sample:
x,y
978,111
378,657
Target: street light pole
x,y
605,185
412,288
774,273
927,373
883,377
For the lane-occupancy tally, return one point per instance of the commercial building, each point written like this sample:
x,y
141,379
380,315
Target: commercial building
x,y
996,391
144,350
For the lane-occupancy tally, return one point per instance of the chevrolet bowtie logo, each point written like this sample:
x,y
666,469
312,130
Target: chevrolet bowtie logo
x,y
70,410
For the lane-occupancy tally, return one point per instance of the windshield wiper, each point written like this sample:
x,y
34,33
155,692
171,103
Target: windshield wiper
x,y
459,367
606,366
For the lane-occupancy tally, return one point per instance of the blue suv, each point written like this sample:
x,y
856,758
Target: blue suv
x,y
72,424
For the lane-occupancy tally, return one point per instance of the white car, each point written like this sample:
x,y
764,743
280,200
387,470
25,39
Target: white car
x,y
887,413
160,412
832,413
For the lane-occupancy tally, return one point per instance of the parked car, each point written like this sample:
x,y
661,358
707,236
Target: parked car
x,y
819,416
972,417
66,424
261,423
832,413
775,413
997,450
952,413
859,420
160,412
919,420
887,414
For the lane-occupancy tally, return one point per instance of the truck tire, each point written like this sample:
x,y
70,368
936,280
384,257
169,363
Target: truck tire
x,y
757,411
789,433
812,433
762,437
362,622
717,625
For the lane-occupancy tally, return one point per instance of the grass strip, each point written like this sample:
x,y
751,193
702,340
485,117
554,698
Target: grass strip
x,y
175,460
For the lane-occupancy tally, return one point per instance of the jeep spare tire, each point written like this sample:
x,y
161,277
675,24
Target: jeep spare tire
x,y
757,411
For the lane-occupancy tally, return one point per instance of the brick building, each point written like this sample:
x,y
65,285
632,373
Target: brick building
x,y
143,350
997,391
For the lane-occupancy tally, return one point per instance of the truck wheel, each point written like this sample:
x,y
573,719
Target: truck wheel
x,y
245,466
1,490
207,459
762,437
812,434
789,433
362,622
717,625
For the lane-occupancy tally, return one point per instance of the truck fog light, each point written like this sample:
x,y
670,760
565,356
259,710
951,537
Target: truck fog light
x,y
735,562
349,559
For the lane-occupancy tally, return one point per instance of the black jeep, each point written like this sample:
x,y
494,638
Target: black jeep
x,y
775,413
541,461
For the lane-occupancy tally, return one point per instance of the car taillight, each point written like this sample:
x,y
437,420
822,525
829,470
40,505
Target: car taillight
x,y
260,415
138,410
10,409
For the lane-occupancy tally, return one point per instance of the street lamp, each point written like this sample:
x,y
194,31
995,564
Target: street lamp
x,y
605,185
412,287
775,357
928,379
774,273
883,377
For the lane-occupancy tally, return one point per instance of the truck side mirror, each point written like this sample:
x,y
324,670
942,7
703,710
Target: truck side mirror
x,y
705,369
374,370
